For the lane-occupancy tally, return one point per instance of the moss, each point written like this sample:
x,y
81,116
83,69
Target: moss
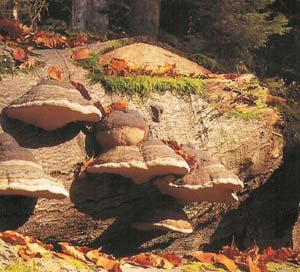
x,y
92,65
80,266
141,86
259,109
114,44
201,267
286,267
20,266
144,86
7,65
249,113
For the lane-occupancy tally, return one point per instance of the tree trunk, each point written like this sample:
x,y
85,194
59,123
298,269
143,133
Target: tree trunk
x,y
102,208
145,16
91,15
7,9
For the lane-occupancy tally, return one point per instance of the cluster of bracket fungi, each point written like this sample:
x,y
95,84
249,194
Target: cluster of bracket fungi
x,y
126,150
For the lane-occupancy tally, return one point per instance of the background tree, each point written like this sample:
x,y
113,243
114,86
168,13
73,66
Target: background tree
x,y
91,15
144,17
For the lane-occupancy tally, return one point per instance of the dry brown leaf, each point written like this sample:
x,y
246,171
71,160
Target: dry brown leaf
x,y
191,160
103,260
13,237
228,263
204,257
75,41
117,67
13,28
25,254
252,267
56,73
142,260
147,260
73,251
85,165
19,54
28,64
172,258
81,54
81,88
121,105
49,39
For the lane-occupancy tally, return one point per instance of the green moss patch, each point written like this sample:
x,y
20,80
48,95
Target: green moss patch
x,y
202,267
144,86
141,86
283,267
115,44
20,266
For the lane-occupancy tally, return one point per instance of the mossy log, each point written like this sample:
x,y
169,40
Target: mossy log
x,y
101,209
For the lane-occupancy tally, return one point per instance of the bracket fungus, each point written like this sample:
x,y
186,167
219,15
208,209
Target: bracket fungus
x,y
161,160
166,218
208,181
53,104
140,164
125,161
120,128
21,175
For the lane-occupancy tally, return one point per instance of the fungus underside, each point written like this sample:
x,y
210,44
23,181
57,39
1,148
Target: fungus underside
x,y
141,86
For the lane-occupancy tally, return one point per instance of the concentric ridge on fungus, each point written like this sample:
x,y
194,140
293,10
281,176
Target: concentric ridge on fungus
x,y
51,105
208,181
21,175
141,164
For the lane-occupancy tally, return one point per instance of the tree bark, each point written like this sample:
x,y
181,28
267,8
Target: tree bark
x,y
102,208
145,17
91,15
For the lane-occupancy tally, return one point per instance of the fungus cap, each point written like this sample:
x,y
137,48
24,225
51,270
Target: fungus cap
x,y
52,104
21,175
153,159
161,160
125,161
165,218
208,181
121,128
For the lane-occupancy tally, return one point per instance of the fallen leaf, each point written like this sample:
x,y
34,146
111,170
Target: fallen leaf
x,y
117,67
204,257
74,251
231,76
85,165
81,88
100,107
172,258
228,263
56,73
28,64
121,105
19,54
142,260
78,40
81,54
49,39
103,260
252,267
25,254
13,28
13,237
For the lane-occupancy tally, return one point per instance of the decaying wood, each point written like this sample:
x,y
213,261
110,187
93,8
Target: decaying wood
x,y
101,209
